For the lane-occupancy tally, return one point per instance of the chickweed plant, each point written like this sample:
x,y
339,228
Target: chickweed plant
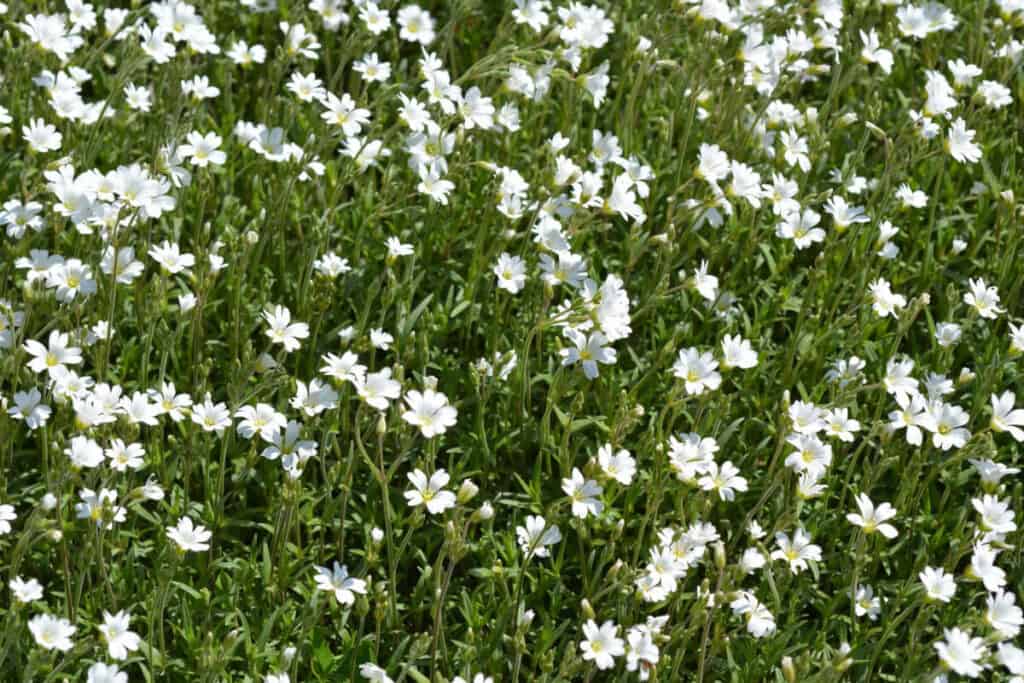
x,y
478,341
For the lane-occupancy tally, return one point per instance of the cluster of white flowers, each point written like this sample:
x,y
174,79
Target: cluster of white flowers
x,y
268,265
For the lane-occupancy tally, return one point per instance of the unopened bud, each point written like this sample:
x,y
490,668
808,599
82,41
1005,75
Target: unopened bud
x,y
485,512
788,669
467,491
843,661
719,549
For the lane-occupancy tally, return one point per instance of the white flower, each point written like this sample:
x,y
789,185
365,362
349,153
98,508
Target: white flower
x,y
619,465
846,370
430,492
737,352
1013,659
56,354
121,264
946,422
961,653
416,25
26,591
801,228
84,453
760,622
437,187
706,284
125,456
536,535
511,273
430,412
211,417
960,143
698,371
170,257
260,419
397,248
1005,418
984,299
532,13
380,339
843,214
983,568
996,515
601,644
1004,615
752,560
588,351
344,368
376,388
938,585
725,480
873,53
100,508
991,472
105,673
52,633
812,455
372,672
840,425
203,150
871,518
120,639
912,416
338,581
372,69
282,330
947,334
41,136
797,551
27,407
712,164
865,602
884,301
583,493
188,537
994,95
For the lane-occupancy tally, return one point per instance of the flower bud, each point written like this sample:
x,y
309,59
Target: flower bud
x,y
789,669
467,491
719,549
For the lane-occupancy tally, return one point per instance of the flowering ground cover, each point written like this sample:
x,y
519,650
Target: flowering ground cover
x,y
511,340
